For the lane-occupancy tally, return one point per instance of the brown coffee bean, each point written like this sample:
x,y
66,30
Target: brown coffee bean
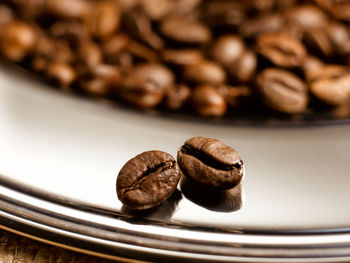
x,y
208,102
311,66
115,45
18,40
138,50
77,9
265,23
318,40
210,162
176,96
331,85
6,16
182,57
40,64
205,71
157,9
234,95
90,53
62,73
223,13
147,180
183,30
227,49
339,36
146,84
101,80
244,68
104,19
281,49
139,26
306,17
282,90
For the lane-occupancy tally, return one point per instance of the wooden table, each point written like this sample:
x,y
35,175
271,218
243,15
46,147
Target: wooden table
x,y
18,249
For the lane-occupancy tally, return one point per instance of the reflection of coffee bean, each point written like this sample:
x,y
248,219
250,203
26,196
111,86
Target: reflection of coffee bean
x,y
147,180
211,163
220,201
161,213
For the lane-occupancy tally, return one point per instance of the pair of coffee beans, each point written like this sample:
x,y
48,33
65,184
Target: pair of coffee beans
x,y
151,177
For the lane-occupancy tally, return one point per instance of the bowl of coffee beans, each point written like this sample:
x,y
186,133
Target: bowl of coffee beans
x,y
286,60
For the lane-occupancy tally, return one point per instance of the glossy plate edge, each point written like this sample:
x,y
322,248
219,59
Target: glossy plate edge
x,y
113,237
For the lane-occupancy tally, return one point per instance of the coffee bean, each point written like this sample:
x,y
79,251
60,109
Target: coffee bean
x,y
208,102
265,23
281,49
222,13
6,15
90,53
331,85
182,57
211,163
62,73
206,71
18,40
182,29
244,68
227,49
157,9
76,9
104,19
147,180
282,90
311,66
176,96
306,17
146,84
235,95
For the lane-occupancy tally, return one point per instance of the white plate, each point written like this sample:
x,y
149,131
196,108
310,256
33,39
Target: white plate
x,y
60,156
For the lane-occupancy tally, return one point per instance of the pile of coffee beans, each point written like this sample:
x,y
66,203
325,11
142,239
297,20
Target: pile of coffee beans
x,y
209,57
151,177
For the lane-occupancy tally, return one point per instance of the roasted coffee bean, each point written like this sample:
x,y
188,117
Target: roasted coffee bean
x,y
331,84
281,49
104,19
147,180
223,13
265,23
206,71
157,9
244,68
306,17
282,90
138,50
146,84
101,80
182,57
227,49
317,39
183,30
339,36
90,53
62,73
211,163
6,16
176,96
234,95
208,102
139,26
311,66
18,40
77,9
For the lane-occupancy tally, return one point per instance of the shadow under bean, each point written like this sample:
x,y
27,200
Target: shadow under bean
x,y
219,201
